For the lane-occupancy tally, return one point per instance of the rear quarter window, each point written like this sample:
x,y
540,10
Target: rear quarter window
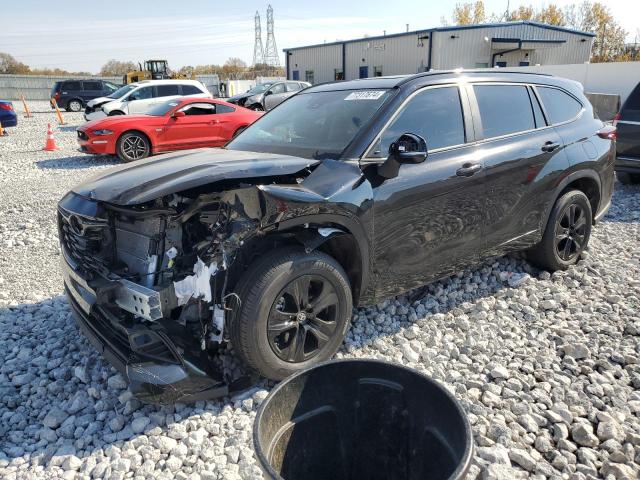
x,y
191,90
74,86
559,105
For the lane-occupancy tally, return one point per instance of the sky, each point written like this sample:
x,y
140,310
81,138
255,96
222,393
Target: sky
x,y
76,35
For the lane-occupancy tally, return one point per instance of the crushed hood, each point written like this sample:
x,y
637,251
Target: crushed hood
x,y
146,180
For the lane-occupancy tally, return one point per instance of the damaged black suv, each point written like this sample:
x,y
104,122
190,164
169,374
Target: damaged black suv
x,y
345,194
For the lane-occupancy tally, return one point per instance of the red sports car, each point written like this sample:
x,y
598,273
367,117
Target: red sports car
x,y
173,125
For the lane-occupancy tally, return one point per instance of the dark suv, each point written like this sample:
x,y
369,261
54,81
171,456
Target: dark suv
x,y
628,144
345,194
73,95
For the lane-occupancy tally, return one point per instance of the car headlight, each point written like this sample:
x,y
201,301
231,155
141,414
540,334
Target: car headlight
x,y
102,132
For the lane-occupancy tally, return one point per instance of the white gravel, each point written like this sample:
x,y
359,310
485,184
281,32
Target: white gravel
x,y
547,366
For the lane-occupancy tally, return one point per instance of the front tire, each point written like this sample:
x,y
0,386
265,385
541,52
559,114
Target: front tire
x,y
627,178
567,233
133,146
293,311
74,105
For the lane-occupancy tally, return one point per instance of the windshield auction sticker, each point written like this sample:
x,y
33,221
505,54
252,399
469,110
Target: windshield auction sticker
x,y
365,95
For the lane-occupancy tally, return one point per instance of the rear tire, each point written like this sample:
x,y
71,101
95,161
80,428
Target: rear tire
x,y
566,235
294,311
627,178
74,105
132,146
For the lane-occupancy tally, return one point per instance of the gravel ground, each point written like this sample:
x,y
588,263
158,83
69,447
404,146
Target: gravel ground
x,y
547,366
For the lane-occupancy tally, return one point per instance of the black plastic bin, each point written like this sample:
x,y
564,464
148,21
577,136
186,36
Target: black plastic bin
x,y
362,419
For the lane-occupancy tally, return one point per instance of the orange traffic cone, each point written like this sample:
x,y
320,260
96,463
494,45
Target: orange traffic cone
x,y
50,144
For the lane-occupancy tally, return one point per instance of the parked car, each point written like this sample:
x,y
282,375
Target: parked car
x,y
73,95
346,194
175,124
8,117
265,96
628,143
141,96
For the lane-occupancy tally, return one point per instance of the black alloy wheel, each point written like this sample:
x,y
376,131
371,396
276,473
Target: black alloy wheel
x,y
566,235
292,311
303,318
570,232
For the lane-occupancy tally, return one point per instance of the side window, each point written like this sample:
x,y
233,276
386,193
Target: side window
x,y
144,93
293,86
435,114
191,90
199,109
279,88
92,86
167,90
71,86
560,106
504,109
224,109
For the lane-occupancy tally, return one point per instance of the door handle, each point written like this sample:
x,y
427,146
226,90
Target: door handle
x,y
468,169
214,122
550,146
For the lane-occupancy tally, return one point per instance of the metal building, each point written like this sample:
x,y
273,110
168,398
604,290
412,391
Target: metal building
x,y
504,44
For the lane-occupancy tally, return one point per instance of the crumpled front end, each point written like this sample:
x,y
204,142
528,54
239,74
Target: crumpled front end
x,y
147,286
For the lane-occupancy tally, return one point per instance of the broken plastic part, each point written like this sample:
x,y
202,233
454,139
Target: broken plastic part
x,y
326,231
197,285
218,324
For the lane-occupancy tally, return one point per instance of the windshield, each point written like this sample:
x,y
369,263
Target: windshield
x,y
122,91
312,125
260,88
162,109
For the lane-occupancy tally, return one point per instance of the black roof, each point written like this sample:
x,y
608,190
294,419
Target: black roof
x,y
440,76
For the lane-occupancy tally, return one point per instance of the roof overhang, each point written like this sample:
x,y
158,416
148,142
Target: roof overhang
x,y
502,44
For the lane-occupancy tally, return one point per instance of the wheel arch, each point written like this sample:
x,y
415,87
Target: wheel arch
x,y
71,99
586,181
349,245
137,130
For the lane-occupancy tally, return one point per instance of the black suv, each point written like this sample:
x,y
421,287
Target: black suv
x,y
73,95
345,194
628,144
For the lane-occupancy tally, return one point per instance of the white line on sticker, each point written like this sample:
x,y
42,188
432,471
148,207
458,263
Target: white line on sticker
x,y
365,95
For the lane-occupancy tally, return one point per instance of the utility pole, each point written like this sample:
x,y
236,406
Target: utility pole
x,y
271,57
258,51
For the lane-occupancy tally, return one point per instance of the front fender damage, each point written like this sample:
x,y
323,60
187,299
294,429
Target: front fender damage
x,y
207,238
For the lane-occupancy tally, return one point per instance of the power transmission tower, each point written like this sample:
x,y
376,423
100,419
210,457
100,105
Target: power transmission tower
x,y
271,57
258,51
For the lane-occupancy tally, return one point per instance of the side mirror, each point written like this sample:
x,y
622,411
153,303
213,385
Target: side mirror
x,y
178,114
268,92
409,148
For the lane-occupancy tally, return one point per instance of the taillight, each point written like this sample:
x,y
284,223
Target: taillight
x,y
57,96
616,119
608,133
6,106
